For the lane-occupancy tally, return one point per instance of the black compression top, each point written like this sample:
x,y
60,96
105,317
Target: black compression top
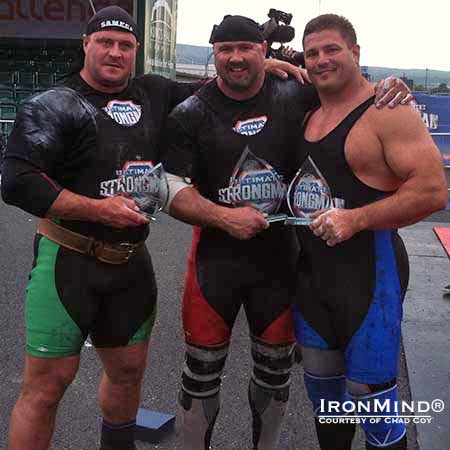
x,y
77,138
207,134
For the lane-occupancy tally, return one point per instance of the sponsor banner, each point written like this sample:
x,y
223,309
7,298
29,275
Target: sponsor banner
x,y
50,19
160,36
435,112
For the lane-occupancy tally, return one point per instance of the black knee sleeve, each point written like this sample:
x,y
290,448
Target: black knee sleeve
x,y
272,364
202,370
269,391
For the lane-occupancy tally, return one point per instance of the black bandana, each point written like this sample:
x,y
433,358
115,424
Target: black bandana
x,y
237,28
112,17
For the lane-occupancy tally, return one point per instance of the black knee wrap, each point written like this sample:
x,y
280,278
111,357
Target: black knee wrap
x,y
272,364
199,398
202,370
269,391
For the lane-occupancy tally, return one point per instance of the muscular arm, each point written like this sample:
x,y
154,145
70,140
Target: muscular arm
x,y
118,212
413,158
241,223
42,136
35,192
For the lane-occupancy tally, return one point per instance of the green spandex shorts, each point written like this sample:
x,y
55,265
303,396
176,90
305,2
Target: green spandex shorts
x,y
71,296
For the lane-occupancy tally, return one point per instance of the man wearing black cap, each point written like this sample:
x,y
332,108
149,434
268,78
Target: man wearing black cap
x,y
92,273
236,259
236,140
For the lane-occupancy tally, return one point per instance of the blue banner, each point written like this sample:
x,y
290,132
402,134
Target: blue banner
x,y
435,112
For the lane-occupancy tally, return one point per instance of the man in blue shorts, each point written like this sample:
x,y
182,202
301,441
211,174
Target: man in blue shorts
x,y
385,170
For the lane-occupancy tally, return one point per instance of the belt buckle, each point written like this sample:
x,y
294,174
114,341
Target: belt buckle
x,y
128,248
93,246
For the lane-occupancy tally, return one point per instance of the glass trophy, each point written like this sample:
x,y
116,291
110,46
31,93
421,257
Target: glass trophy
x,y
153,197
148,187
255,183
308,193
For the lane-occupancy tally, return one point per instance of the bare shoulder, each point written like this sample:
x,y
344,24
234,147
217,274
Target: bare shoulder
x,y
400,121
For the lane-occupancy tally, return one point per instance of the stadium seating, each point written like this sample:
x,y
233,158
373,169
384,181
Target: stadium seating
x,y
28,70
25,71
7,95
6,79
7,111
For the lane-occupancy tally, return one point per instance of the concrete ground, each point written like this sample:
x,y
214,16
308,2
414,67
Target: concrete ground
x,y
424,372
426,330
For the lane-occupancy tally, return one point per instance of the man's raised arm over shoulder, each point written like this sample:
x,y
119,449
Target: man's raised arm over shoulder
x,y
411,158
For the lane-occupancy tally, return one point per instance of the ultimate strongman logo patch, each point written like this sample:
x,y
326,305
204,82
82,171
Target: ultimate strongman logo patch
x,y
124,112
250,127
132,178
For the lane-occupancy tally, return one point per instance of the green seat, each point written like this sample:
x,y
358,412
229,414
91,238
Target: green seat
x,y
44,80
6,79
7,111
22,53
22,94
9,127
43,65
60,67
6,95
25,80
6,128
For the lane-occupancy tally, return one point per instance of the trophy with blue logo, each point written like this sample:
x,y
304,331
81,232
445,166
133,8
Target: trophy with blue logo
x,y
144,183
308,193
255,183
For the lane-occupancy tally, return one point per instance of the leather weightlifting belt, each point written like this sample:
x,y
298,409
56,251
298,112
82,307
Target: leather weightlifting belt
x,y
103,251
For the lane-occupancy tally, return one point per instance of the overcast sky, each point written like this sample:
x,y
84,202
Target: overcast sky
x,y
391,33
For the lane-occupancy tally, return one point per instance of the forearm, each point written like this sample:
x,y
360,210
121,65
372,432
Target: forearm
x,y
414,200
71,206
190,207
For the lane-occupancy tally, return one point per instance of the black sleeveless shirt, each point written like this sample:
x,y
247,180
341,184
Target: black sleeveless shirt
x,y
347,272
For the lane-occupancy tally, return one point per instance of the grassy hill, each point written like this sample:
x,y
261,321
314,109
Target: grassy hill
x,y
193,54
434,77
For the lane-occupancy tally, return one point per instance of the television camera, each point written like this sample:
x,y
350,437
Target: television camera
x,y
278,29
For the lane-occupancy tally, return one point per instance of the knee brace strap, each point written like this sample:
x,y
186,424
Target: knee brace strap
x,y
388,430
202,370
272,364
327,394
